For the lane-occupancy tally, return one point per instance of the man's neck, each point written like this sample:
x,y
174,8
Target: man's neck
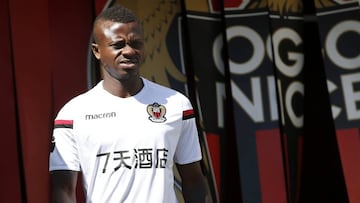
x,y
123,88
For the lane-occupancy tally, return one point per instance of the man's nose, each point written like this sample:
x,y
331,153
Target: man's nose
x,y
128,50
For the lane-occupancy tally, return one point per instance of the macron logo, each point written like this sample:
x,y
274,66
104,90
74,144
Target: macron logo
x,y
100,116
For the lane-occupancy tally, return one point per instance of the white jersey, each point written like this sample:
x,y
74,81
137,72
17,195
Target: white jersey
x,y
125,147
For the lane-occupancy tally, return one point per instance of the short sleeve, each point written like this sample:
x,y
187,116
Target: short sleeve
x,y
188,149
64,153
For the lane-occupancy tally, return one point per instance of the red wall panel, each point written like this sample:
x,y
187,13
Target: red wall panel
x,y
49,43
70,29
349,147
31,51
10,169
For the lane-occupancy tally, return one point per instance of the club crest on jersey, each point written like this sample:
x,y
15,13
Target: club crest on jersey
x,y
156,112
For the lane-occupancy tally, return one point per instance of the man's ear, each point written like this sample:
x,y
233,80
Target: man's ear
x,y
95,50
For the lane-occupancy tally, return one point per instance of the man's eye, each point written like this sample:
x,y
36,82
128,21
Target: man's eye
x,y
118,45
137,44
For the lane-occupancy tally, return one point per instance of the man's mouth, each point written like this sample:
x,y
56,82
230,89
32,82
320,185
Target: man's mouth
x,y
128,63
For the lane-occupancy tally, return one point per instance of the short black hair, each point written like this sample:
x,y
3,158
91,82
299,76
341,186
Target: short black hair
x,y
117,13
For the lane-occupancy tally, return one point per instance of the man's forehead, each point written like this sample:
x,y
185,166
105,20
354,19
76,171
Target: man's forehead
x,y
108,29
112,26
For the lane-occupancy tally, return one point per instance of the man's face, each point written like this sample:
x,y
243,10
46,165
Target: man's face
x,y
120,48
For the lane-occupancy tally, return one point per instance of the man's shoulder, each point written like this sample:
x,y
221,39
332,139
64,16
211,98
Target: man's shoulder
x,y
162,88
80,101
83,97
171,95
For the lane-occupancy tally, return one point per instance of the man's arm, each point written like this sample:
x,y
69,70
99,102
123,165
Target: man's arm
x,y
64,186
194,187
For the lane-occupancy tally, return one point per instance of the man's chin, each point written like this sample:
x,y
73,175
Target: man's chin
x,y
122,74
127,76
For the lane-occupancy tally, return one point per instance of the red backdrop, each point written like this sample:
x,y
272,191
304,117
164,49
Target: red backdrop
x,y
43,64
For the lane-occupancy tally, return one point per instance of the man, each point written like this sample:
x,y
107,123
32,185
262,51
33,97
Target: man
x,y
125,134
